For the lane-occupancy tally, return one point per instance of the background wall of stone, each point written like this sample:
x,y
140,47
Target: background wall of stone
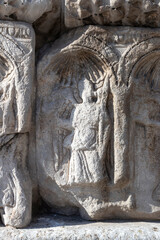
x,y
50,18
96,82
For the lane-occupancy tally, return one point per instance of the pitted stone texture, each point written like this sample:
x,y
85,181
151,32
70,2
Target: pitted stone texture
x,y
79,12
45,14
24,10
112,12
49,25
16,72
98,123
52,17
67,228
16,103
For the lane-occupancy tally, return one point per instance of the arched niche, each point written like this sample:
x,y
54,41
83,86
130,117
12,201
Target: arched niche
x,y
74,87
133,55
145,123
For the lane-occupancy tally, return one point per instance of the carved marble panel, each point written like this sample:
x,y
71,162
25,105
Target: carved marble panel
x,y
16,102
98,123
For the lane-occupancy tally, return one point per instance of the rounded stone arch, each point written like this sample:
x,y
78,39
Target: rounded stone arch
x,y
100,48
80,41
69,64
145,49
127,67
147,70
65,64
144,76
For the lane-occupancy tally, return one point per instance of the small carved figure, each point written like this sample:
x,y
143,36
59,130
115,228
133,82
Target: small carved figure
x,y
91,125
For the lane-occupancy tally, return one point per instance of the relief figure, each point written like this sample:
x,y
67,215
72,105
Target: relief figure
x,y
98,124
91,124
76,111
15,194
15,120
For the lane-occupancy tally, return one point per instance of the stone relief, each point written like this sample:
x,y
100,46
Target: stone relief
x,y
94,147
24,10
16,100
79,99
97,123
112,12
51,18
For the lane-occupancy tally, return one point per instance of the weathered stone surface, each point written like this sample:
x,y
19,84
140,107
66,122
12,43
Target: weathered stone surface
x,y
113,12
51,18
72,228
98,123
76,13
24,10
50,24
46,16
95,148
16,102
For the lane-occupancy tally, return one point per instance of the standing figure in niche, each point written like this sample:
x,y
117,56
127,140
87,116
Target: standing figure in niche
x,y
80,118
91,124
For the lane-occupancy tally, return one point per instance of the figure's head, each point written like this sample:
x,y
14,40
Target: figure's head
x,y
84,72
86,91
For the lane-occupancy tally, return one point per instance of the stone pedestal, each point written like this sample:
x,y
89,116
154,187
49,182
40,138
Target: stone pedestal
x,y
54,227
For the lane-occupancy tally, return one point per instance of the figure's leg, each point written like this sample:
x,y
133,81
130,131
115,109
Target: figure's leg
x,y
17,197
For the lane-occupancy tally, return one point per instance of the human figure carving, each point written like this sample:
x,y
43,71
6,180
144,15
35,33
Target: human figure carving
x,y
15,184
91,125
77,105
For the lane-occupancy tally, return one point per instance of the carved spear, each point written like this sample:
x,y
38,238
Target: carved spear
x,y
121,132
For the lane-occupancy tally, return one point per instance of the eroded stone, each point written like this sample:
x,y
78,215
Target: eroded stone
x,y
16,102
59,228
97,123
24,10
113,12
